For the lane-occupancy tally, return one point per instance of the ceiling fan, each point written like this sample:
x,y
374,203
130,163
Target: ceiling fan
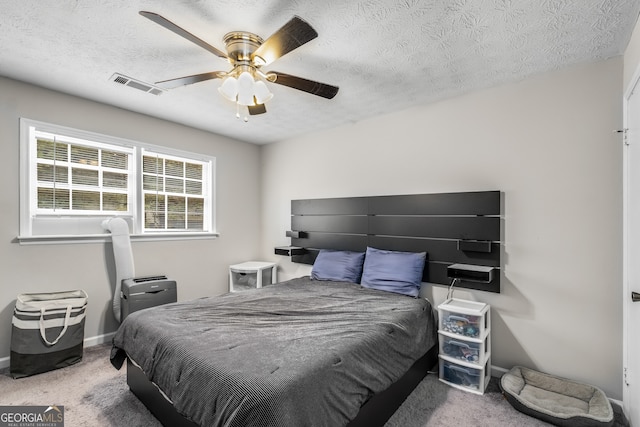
x,y
247,53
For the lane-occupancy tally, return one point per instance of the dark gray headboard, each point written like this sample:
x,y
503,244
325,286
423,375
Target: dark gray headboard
x,y
450,227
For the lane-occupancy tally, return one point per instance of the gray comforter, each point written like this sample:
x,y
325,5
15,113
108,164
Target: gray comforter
x,y
299,353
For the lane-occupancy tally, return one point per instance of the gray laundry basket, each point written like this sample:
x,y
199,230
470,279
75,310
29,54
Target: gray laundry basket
x,y
47,332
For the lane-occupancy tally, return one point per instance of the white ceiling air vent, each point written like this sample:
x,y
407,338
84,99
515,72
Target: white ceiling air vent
x,y
136,84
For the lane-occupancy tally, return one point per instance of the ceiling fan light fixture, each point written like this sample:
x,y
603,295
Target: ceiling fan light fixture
x,y
245,88
229,88
261,92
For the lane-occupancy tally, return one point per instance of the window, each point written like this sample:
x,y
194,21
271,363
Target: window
x,y
173,193
78,176
72,180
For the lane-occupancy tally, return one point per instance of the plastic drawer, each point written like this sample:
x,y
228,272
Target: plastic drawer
x,y
464,318
475,352
465,377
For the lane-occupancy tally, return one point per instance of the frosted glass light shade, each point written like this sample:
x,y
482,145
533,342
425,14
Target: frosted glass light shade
x,y
245,89
261,92
229,89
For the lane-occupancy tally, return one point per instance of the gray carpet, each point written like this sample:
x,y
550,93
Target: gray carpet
x,y
93,393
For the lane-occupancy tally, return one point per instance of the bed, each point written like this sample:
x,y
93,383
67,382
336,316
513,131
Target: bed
x,y
343,347
299,353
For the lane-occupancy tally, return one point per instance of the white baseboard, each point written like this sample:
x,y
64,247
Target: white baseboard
x,y
99,339
88,342
497,371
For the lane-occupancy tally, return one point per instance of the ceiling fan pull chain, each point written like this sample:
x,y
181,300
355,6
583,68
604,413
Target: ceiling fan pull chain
x,y
246,116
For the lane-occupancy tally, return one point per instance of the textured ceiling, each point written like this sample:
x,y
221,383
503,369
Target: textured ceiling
x,y
385,55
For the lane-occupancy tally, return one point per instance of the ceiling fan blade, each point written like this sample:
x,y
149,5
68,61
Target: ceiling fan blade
x,y
182,32
187,80
290,36
309,86
257,109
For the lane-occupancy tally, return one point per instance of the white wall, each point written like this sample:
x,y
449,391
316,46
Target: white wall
x,y
200,267
547,143
632,56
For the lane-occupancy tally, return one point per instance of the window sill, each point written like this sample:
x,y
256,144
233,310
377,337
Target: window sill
x,y
101,238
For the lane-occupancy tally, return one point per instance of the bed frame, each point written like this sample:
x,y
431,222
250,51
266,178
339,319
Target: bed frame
x,y
374,413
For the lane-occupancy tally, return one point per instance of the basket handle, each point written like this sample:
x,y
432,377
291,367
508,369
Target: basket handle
x,y
64,329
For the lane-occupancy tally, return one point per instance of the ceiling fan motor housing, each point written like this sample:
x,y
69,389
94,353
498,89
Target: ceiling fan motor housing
x,y
241,47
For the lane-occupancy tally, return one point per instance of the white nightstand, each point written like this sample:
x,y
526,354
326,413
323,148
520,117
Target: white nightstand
x,y
251,274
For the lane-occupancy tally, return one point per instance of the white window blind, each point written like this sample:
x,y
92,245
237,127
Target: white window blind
x,y
81,177
174,192
72,180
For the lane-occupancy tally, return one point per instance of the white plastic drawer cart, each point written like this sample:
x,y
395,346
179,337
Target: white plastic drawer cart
x,y
251,274
464,336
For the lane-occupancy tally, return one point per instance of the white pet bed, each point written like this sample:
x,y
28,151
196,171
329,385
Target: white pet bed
x,y
556,400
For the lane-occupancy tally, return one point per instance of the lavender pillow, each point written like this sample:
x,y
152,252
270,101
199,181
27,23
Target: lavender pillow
x,y
341,266
393,271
